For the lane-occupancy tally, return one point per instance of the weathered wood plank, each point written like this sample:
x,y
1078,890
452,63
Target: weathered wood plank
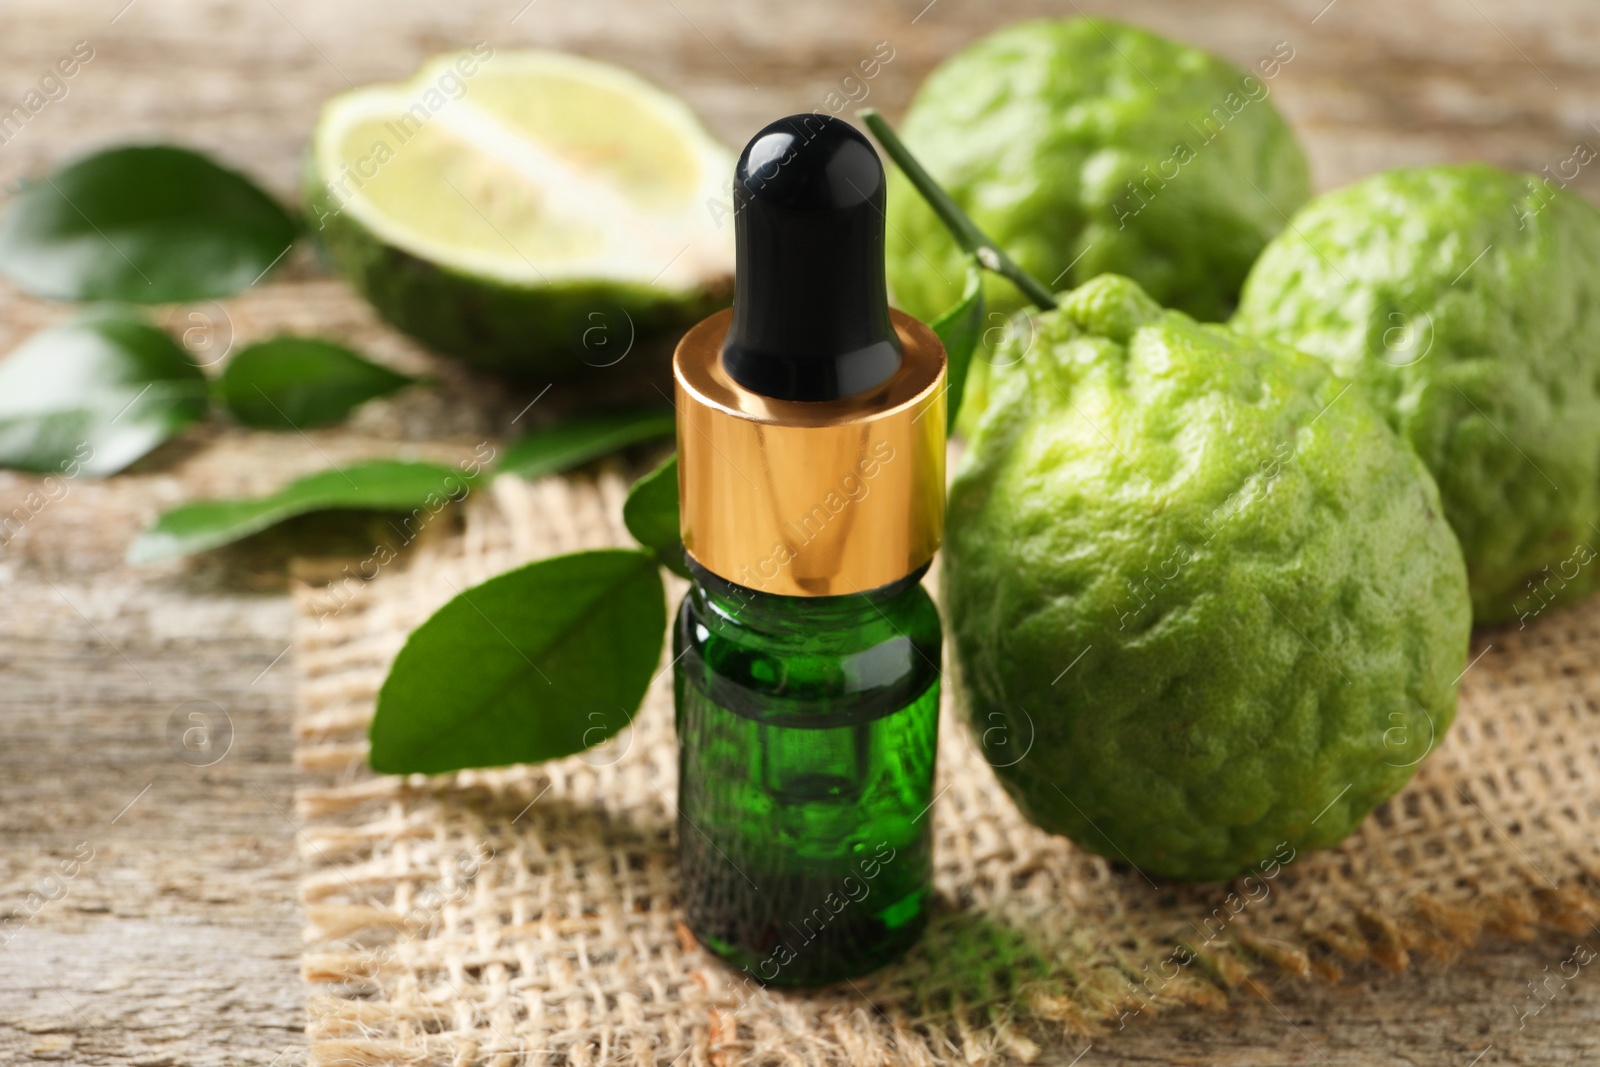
x,y
177,941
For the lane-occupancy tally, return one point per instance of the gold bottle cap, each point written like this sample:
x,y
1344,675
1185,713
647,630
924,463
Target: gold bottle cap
x,y
811,498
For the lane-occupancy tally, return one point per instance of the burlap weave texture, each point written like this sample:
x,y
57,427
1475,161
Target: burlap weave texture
x,y
529,914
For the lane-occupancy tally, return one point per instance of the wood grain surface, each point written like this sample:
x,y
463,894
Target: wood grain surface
x,y
174,938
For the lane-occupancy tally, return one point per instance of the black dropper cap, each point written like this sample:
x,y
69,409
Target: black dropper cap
x,y
810,307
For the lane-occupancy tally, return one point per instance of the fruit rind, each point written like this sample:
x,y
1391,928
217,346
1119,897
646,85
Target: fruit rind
x,y
544,325
1084,146
1202,584
1461,300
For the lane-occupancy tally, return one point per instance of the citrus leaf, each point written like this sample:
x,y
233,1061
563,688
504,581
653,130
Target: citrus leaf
x,y
651,515
379,485
570,444
535,664
150,224
95,393
959,328
290,383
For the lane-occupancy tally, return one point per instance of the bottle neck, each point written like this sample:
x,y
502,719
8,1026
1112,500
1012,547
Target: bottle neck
x,y
771,611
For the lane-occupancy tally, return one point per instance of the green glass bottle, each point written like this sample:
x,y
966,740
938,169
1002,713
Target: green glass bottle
x,y
811,424
808,727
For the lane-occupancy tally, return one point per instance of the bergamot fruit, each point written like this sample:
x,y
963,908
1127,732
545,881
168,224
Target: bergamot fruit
x,y
531,212
1462,300
1083,146
1205,606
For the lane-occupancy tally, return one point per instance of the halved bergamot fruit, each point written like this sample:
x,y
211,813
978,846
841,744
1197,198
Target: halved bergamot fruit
x,y
531,212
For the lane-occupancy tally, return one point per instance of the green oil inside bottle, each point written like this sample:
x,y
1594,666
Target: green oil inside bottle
x,y
807,727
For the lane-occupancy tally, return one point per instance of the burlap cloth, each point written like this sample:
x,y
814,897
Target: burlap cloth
x,y
530,914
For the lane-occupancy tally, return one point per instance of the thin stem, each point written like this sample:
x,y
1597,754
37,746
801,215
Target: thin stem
x,y
972,240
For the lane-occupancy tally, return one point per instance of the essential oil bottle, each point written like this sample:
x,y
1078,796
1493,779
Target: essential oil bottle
x,y
811,434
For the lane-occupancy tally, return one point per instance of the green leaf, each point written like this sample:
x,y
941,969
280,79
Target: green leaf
x,y
651,515
538,663
150,224
290,383
570,444
94,394
959,328
380,485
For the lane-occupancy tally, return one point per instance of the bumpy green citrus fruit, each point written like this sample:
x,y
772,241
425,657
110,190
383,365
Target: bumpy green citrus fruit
x,y
1465,301
1095,146
532,212
1205,607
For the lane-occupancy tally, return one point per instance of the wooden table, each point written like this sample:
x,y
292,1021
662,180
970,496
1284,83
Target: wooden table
x,y
176,943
